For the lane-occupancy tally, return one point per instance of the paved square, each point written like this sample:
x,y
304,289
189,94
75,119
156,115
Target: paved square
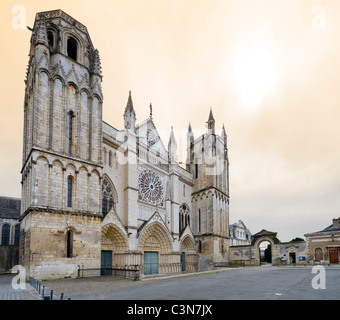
x,y
258,283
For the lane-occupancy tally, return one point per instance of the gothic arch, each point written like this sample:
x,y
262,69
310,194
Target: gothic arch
x,y
109,195
184,217
155,238
113,238
188,244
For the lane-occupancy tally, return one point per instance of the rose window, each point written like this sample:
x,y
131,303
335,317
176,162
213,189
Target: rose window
x,y
150,188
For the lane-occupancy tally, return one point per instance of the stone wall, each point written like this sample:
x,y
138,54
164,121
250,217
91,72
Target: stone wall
x,y
9,257
44,245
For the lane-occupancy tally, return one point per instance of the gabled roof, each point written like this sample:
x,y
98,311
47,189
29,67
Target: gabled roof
x,y
142,131
329,229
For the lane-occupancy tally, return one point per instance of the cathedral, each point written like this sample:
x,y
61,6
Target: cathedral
x,y
95,196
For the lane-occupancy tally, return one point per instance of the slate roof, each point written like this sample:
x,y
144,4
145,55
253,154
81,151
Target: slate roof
x,y
10,207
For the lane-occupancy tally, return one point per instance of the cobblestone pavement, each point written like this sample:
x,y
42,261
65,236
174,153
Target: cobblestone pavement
x,y
8,293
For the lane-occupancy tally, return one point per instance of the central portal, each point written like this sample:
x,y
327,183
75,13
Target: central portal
x,y
150,262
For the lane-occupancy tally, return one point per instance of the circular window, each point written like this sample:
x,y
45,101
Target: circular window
x,y
150,188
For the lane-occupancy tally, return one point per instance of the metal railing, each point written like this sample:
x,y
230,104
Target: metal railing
x,y
36,284
129,272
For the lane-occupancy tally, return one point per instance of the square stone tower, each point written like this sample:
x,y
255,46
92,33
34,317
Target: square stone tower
x,y
61,165
209,165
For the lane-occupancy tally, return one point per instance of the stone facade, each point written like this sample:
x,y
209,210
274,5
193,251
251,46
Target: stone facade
x,y
324,245
93,194
9,232
295,252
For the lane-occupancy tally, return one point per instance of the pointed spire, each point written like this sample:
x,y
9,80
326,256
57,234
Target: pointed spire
x,y
172,147
211,117
189,128
129,105
129,114
223,131
150,110
172,136
211,122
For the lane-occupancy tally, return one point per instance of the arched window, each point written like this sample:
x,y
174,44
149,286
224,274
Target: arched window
x,y
69,191
69,244
50,38
5,234
70,132
17,235
72,48
110,158
184,217
318,254
107,197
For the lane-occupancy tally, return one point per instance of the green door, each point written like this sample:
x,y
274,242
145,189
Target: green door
x,y
150,262
183,261
106,263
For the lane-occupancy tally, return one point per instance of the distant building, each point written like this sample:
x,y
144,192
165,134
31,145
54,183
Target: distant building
x,y
239,234
9,232
323,246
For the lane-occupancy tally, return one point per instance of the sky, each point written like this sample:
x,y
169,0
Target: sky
x,y
270,70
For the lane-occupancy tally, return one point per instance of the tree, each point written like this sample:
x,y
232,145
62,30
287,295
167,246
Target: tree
x,y
296,240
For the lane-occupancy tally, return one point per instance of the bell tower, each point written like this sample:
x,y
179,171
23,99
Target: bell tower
x,y
62,143
209,166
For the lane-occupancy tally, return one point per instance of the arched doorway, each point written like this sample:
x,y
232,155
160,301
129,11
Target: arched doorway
x,y
265,248
261,238
188,254
156,245
114,247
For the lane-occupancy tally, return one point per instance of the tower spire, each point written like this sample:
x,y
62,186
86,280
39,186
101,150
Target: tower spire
x,y
129,114
211,122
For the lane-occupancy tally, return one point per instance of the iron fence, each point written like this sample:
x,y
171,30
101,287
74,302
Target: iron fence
x,y
129,272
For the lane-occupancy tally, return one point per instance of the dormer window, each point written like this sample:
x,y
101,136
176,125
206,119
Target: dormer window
x,y
72,47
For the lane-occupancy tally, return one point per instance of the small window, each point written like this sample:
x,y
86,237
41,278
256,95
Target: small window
x,y
199,246
50,38
70,132
72,48
196,170
69,191
199,220
110,158
69,244
17,235
5,234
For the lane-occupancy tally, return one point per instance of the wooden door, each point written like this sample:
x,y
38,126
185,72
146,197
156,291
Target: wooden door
x,y
333,256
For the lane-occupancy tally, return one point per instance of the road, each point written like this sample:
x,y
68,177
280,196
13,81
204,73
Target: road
x,y
259,283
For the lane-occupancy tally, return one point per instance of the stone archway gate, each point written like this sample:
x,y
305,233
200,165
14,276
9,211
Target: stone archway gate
x,y
271,237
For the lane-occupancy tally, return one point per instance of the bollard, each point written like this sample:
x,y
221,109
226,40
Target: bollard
x,y
61,296
51,294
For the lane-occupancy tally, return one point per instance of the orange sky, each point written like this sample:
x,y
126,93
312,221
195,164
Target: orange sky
x,y
270,70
